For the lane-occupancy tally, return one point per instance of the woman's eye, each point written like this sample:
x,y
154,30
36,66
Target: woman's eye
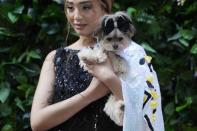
x,y
69,8
88,7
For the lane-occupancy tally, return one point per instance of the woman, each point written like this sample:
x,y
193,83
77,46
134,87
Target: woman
x,y
68,98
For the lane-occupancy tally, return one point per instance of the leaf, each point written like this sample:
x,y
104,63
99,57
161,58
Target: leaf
x,y
22,56
5,32
167,8
5,110
182,107
116,6
59,1
187,34
33,54
19,104
193,50
26,88
189,100
189,128
4,50
148,47
35,1
4,91
12,17
7,127
169,108
174,121
30,13
184,42
22,79
131,10
28,69
146,18
174,37
50,29
19,9
23,87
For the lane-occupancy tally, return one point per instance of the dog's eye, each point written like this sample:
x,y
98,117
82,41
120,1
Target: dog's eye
x,y
120,38
109,38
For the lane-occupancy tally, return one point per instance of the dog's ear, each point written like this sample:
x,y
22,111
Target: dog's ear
x,y
99,31
132,30
127,22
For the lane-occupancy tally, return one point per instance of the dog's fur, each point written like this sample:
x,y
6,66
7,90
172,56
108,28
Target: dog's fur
x,y
114,34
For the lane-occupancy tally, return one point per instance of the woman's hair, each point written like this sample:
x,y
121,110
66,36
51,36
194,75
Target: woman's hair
x,y
105,4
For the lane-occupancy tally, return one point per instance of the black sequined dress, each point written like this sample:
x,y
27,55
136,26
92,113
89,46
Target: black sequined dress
x,y
70,80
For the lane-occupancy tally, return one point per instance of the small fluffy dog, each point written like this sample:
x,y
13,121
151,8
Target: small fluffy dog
x,y
113,35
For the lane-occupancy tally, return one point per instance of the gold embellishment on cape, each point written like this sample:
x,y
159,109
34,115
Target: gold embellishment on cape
x,y
148,58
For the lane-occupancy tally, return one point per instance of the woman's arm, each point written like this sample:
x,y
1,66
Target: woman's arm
x,y
44,116
104,72
112,81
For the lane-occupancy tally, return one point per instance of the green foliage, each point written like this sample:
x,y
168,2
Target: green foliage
x,y
30,29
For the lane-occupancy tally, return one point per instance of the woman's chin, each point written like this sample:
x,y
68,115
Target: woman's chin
x,y
83,32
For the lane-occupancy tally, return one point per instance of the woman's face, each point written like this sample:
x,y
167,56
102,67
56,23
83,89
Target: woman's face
x,y
84,15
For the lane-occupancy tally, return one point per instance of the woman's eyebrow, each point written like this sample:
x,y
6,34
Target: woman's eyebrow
x,y
85,2
80,3
68,3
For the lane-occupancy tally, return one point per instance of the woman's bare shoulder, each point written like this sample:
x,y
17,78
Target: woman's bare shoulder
x,y
50,56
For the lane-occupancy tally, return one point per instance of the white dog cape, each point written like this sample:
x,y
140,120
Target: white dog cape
x,y
141,92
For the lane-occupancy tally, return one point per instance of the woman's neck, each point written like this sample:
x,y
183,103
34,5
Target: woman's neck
x,y
83,42
86,41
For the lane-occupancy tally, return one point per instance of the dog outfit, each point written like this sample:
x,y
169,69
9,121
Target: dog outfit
x,y
141,92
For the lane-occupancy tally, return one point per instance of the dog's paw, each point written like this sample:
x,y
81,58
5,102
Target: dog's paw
x,y
119,114
85,54
83,65
124,67
100,56
115,110
94,55
121,67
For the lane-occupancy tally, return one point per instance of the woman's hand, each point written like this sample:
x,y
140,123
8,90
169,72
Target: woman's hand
x,y
104,72
95,91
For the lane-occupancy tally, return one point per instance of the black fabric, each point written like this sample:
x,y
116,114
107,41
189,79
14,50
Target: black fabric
x,y
70,80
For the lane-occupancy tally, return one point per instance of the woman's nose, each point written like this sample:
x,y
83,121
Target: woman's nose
x,y
77,15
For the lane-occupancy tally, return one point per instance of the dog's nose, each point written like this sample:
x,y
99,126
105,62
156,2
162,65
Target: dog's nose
x,y
115,46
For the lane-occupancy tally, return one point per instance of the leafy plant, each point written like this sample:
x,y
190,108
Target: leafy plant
x,y
166,29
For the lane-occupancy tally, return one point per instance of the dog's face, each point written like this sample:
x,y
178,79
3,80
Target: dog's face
x,y
115,41
115,32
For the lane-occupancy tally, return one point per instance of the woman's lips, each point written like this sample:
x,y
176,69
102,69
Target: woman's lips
x,y
79,26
